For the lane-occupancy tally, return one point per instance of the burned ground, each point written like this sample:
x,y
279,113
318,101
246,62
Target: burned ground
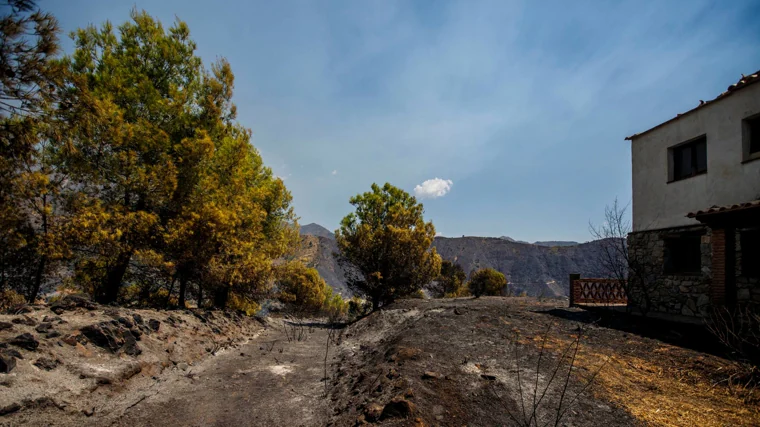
x,y
447,362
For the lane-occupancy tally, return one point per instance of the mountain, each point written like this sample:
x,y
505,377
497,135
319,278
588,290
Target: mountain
x,y
316,230
319,252
556,243
533,268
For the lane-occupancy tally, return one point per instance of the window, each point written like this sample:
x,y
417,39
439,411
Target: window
x,y
751,136
683,254
688,159
750,255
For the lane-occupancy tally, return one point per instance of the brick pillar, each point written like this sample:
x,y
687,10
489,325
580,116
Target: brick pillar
x,y
571,289
722,290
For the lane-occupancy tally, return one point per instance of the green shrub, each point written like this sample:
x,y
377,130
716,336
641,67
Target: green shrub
x,y
486,281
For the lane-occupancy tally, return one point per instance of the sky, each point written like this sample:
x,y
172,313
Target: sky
x,y
502,117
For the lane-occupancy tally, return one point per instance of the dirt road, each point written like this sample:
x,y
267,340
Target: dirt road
x,y
268,381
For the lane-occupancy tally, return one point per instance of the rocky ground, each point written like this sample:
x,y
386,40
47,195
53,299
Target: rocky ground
x,y
475,362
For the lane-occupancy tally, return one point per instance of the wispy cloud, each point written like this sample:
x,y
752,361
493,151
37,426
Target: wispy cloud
x,y
433,188
334,172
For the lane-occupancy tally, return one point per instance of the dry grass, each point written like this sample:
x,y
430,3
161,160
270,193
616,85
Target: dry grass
x,y
666,389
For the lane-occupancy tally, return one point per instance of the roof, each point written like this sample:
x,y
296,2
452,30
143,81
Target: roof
x,y
725,209
743,82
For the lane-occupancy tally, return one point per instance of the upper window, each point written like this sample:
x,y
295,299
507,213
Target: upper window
x,y
688,159
683,254
751,136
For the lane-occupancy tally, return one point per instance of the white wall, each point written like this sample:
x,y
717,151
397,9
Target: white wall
x,y
659,204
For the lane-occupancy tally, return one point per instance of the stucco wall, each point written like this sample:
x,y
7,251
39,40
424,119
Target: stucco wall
x,y
659,204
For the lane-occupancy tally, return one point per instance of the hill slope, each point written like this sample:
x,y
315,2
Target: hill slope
x,y
316,230
535,269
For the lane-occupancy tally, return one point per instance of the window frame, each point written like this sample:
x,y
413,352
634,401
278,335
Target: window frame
x,y
747,134
692,143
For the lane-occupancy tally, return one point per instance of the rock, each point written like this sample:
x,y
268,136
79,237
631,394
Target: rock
x,y
430,375
7,362
13,407
488,377
130,344
406,353
13,352
398,408
182,365
26,320
5,325
136,332
126,322
373,412
104,335
88,412
43,327
743,294
47,363
51,319
71,302
70,340
25,341
457,311
154,324
137,318
53,334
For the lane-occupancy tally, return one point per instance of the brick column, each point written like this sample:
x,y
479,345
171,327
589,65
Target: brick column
x,y
722,290
571,290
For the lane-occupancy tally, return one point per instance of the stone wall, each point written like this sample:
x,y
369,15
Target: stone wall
x,y
687,295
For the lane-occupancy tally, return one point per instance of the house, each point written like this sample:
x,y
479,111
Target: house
x,y
696,204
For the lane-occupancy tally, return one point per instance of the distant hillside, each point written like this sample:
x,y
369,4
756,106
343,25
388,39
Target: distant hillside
x,y
556,243
316,230
534,268
317,252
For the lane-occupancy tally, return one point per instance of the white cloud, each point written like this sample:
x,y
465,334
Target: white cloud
x,y
433,188
334,172
439,234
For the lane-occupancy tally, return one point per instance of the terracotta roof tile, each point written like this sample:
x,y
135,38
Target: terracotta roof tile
x,y
722,209
743,82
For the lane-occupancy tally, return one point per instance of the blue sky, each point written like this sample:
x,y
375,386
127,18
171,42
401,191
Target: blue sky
x,y
519,109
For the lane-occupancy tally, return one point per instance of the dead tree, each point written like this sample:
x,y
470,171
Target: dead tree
x,y
637,271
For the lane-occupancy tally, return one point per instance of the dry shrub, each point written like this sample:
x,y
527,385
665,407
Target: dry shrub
x,y
10,299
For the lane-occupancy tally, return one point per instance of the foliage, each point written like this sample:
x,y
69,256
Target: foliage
x,y
450,282
10,299
486,281
159,171
305,291
28,42
28,39
388,244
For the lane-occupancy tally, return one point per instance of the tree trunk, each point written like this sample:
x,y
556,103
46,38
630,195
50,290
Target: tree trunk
x,y
221,295
169,294
114,276
37,280
375,302
182,290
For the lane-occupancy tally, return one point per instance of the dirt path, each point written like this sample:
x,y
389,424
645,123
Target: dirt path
x,y
268,381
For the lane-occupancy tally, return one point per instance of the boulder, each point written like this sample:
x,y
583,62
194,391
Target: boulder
x,y
47,363
104,335
71,302
5,325
7,362
113,337
51,319
431,375
52,334
26,320
25,341
138,319
43,327
154,324
124,321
